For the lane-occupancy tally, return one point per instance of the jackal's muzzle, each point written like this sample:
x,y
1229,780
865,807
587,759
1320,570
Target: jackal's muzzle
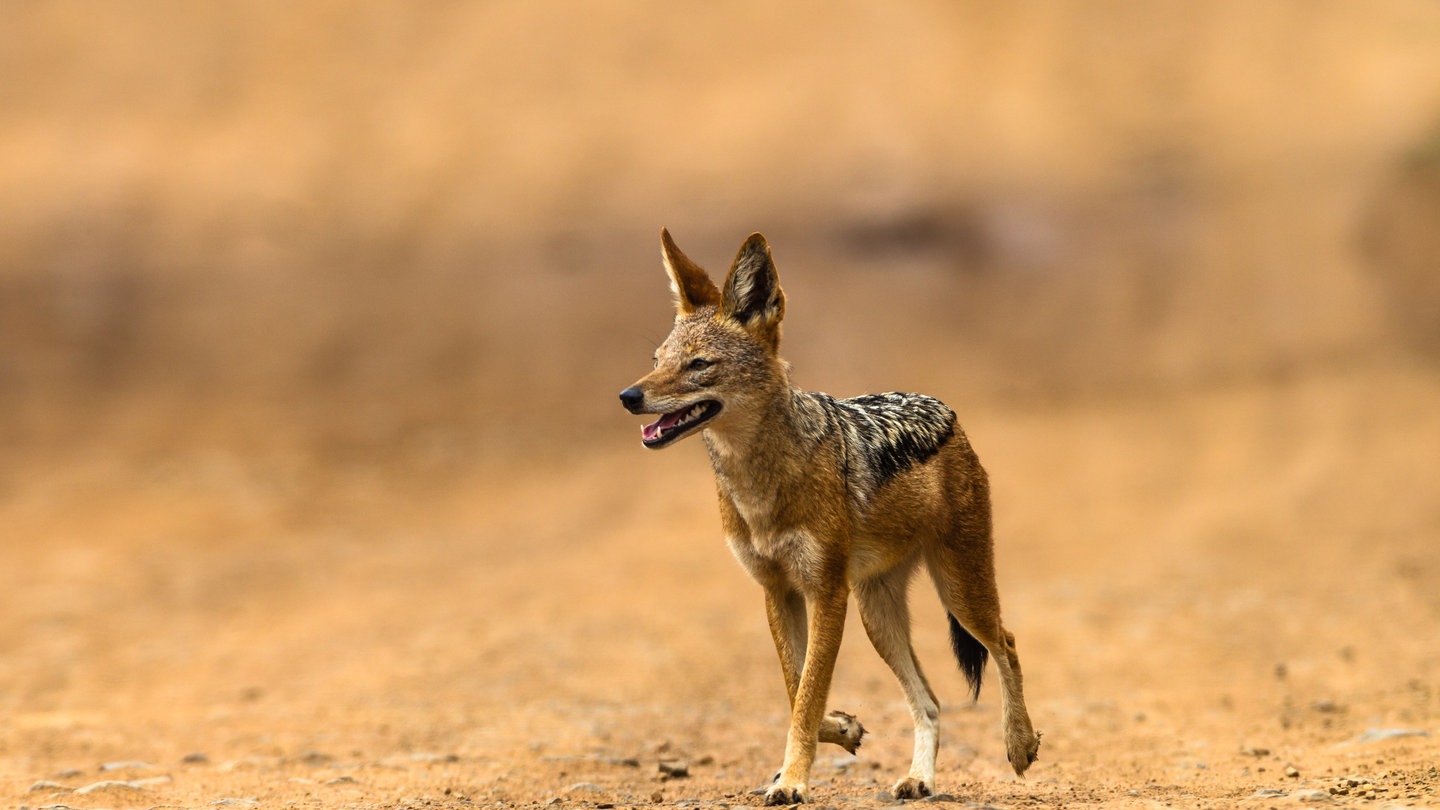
x,y
670,426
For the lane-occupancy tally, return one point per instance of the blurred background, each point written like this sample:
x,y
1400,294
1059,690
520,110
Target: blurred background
x,y
280,280
385,228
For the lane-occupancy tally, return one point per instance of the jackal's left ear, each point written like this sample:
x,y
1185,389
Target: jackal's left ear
x,y
752,296
692,287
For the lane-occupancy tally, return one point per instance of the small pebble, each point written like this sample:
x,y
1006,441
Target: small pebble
x,y
674,768
1292,772
1381,734
45,784
197,758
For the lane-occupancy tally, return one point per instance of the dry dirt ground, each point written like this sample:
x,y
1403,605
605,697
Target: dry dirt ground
x,y
1224,597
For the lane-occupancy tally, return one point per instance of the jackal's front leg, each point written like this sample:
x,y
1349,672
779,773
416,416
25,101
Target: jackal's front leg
x,y
807,713
785,610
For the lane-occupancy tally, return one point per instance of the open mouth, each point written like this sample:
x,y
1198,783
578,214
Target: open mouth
x,y
672,426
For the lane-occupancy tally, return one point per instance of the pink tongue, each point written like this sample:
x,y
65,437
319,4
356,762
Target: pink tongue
x,y
652,431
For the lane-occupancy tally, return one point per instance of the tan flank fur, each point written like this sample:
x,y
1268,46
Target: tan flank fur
x,y
823,497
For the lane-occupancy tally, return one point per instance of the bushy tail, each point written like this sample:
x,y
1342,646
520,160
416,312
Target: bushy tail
x,y
970,653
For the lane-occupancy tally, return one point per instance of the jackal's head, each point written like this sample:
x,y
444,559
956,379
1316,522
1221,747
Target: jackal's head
x,y
721,360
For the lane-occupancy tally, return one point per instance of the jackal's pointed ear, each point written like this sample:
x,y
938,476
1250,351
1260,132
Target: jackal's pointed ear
x,y
752,296
692,287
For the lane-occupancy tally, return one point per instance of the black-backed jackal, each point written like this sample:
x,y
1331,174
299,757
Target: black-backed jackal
x,y
821,497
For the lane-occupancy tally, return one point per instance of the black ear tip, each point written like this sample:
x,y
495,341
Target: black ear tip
x,y
755,249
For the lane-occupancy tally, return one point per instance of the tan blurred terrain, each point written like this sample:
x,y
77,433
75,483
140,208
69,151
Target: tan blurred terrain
x,y
314,490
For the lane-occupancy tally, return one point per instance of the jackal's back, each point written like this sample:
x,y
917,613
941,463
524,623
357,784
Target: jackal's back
x,y
883,435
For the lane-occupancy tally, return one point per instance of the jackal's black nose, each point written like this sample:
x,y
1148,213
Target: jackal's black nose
x,y
632,398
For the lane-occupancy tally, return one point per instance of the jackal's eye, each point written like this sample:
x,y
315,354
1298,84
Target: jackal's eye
x,y
699,364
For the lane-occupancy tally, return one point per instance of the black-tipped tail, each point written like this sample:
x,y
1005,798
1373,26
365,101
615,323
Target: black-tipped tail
x,y
970,653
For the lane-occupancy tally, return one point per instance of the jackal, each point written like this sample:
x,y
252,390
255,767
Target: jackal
x,y
822,496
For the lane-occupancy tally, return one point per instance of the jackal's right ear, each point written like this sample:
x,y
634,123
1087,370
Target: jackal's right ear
x,y
752,296
692,287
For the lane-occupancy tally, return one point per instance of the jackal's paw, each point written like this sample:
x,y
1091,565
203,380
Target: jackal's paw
x,y
842,729
1023,752
782,794
911,787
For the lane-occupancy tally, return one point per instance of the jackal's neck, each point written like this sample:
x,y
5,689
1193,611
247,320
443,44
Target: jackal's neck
x,y
772,433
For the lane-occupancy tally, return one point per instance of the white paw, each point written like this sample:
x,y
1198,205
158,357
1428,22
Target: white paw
x,y
911,788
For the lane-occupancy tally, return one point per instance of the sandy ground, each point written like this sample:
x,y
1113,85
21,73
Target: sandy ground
x,y
1223,596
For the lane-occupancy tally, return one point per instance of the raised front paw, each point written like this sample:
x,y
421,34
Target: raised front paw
x,y
843,730
910,788
783,794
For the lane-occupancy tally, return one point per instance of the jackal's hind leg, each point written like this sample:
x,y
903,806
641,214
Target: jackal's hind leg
x,y
975,603
1022,741
886,616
